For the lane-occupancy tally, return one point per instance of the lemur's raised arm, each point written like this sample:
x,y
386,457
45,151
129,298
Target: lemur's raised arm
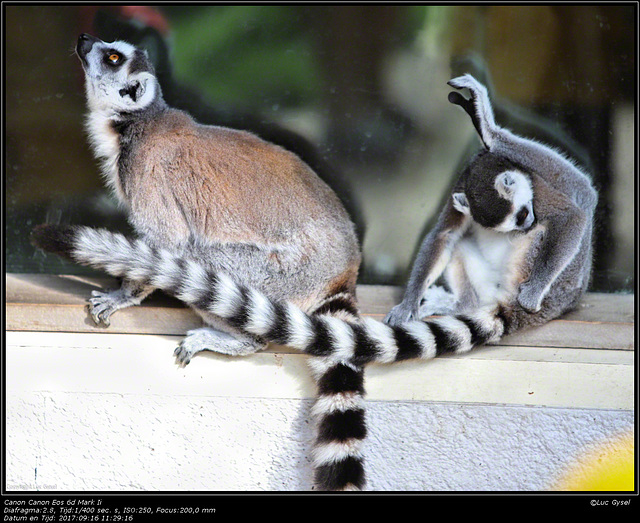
x,y
533,156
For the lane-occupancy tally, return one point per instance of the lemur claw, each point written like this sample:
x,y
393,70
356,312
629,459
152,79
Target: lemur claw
x,y
101,307
182,354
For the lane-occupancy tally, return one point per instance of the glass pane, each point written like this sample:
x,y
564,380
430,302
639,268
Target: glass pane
x,y
359,92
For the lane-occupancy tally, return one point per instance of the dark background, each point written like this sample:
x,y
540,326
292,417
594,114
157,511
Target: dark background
x,y
358,91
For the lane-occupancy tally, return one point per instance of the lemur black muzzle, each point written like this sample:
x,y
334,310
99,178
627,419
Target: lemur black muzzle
x,y
84,45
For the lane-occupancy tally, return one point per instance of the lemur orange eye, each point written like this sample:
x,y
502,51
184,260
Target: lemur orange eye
x,y
114,58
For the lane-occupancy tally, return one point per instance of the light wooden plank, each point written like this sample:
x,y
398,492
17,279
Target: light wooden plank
x,y
65,289
57,304
601,307
144,319
567,333
373,299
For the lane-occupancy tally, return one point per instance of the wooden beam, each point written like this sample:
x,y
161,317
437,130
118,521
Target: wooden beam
x,y
52,303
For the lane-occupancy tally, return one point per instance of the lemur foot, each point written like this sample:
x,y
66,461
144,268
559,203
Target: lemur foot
x,y
468,81
105,303
436,301
400,314
206,338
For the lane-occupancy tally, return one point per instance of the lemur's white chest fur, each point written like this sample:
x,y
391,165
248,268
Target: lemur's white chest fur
x,y
489,258
105,143
113,90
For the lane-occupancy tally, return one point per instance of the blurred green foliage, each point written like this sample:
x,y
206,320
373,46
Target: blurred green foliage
x,y
245,55
256,55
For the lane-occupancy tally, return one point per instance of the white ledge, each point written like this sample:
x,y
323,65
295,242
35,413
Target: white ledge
x,y
583,360
144,365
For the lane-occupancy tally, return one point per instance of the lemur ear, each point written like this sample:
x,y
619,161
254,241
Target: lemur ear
x,y
505,184
132,90
460,203
140,89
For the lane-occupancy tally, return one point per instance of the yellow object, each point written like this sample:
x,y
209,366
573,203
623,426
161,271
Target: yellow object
x,y
609,467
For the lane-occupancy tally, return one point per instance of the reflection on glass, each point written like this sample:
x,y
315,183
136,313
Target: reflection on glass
x,y
358,92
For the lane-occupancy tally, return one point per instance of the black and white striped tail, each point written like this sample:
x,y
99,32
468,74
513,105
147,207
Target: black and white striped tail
x,y
339,413
325,336
339,410
341,348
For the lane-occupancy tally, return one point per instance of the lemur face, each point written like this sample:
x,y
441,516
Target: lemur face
x,y
119,77
515,187
496,195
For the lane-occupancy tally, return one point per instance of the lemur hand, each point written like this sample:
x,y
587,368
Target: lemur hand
x,y
478,107
530,297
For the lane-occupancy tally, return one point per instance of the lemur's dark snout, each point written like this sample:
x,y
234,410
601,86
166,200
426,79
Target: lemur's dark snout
x,y
85,43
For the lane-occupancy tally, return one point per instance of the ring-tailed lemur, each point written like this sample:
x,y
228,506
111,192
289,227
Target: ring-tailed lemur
x,y
348,344
516,232
224,200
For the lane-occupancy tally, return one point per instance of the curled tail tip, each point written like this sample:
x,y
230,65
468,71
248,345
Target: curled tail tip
x,y
56,239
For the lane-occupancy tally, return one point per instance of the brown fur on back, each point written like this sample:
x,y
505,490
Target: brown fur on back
x,y
232,185
212,184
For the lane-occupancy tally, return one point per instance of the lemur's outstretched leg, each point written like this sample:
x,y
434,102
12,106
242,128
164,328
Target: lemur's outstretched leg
x,y
208,338
218,336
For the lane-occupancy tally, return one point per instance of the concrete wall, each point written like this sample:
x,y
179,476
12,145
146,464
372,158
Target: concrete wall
x,y
122,416
127,442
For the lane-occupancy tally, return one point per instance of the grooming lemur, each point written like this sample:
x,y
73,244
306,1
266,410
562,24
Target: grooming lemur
x,y
516,232
309,304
